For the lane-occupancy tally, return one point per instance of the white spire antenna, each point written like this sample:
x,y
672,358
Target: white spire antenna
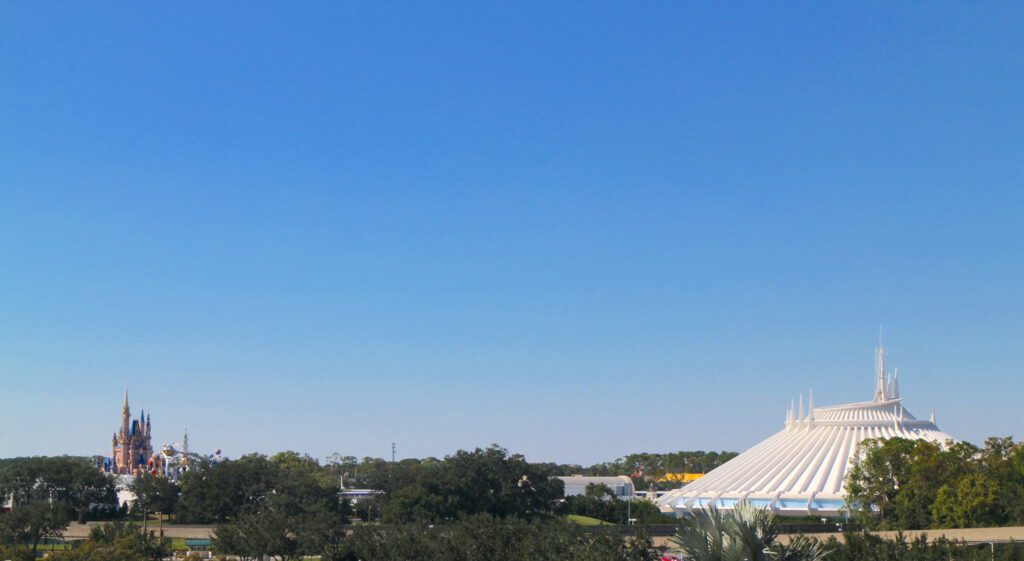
x,y
880,390
895,383
800,417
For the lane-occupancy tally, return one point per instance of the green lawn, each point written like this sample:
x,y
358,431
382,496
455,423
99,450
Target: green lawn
x,y
586,520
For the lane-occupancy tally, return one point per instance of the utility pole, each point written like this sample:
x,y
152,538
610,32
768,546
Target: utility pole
x,y
391,466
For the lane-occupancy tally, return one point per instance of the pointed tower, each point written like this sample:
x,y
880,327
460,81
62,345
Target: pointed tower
x,y
880,391
126,415
132,445
810,410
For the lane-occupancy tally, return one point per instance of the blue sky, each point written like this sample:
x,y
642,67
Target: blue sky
x,y
578,230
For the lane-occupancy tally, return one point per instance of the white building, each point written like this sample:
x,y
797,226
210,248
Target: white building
x,y
800,471
621,485
356,496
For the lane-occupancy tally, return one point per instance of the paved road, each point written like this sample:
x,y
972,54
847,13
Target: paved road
x,y
974,535
79,531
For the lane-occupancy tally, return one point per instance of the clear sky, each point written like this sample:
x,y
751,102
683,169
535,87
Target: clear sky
x,y
578,230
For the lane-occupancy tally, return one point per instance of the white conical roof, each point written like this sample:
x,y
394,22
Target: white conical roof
x,y
801,469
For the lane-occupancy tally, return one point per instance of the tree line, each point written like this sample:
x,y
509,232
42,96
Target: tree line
x,y
41,496
652,464
287,506
917,484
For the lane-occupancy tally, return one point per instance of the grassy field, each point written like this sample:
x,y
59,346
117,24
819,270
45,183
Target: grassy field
x,y
586,520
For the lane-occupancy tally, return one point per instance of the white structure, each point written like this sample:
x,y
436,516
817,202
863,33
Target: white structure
x,y
621,485
356,496
124,490
800,471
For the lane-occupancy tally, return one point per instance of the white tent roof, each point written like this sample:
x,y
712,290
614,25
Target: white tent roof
x,y
800,470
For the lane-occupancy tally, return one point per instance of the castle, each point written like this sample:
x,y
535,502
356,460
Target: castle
x,y
132,445
132,452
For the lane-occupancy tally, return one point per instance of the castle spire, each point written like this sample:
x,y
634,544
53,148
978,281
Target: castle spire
x,y
125,414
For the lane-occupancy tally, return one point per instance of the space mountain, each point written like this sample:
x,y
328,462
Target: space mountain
x,y
800,470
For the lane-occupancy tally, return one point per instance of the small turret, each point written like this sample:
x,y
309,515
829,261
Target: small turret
x,y
810,410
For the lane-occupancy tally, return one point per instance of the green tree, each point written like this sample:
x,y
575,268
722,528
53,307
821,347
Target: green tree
x,y
880,470
30,522
483,481
912,484
896,481
973,500
117,541
216,493
255,534
485,537
291,508
155,494
74,482
45,494
1003,462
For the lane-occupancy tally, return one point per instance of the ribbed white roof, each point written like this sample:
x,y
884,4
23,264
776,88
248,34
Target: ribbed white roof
x,y
800,470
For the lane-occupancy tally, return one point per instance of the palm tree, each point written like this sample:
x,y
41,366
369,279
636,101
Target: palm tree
x,y
747,533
